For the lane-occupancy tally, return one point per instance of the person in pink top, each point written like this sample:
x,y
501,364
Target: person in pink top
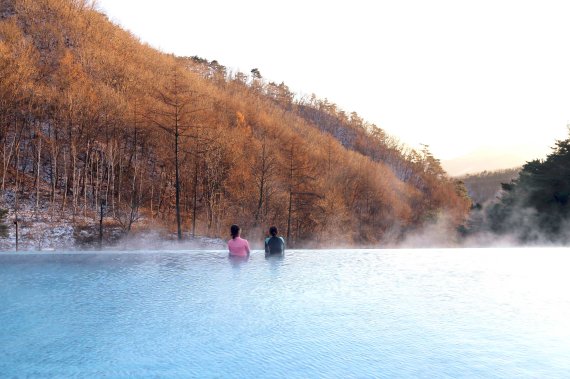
x,y
237,246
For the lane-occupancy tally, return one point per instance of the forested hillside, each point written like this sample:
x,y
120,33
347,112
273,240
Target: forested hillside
x,y
486,185
90,116
535,207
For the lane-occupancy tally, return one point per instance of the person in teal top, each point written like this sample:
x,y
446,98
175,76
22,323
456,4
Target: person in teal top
x,y
273,244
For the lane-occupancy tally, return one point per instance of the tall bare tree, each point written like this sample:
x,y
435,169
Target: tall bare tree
x,y
176,104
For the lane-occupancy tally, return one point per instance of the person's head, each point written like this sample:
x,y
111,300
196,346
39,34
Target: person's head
x,y
234,231
273,231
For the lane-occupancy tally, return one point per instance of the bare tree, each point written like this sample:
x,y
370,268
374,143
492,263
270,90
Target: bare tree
x,y
264,173
177,102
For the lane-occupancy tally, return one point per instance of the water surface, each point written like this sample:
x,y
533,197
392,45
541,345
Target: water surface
x,y
493,313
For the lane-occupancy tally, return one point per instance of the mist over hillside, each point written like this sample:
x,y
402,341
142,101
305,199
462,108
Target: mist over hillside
x,y
532,208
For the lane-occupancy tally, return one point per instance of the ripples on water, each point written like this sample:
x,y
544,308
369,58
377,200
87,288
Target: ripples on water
x,y
327,313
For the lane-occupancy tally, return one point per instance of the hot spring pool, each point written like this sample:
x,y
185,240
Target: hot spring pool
x,y
501,313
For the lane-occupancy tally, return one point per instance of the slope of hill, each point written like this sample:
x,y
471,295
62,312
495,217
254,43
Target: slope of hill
x,y
532,208
91,116
485,186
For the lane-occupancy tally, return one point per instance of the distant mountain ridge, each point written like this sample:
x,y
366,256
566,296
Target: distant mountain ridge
x,y
487,159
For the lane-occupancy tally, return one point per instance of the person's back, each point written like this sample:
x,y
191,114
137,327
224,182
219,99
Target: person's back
x,y
238,246
274,244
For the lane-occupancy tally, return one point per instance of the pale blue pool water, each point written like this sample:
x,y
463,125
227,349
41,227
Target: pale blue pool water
x,y
494,313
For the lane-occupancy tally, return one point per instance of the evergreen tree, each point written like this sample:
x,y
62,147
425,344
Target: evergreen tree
x,y
537,204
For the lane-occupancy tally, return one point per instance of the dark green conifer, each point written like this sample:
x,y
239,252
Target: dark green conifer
x,y
537,205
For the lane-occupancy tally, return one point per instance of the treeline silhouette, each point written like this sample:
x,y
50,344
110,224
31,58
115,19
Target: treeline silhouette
x,y
533,208
536,205
91,118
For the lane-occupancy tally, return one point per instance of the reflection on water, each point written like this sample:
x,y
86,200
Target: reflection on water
x,y
236,260
328,313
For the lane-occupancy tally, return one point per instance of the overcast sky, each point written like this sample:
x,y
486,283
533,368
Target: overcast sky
x,y
489,79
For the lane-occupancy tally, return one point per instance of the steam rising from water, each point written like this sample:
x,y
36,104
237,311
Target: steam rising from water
x,y
153,240
442,233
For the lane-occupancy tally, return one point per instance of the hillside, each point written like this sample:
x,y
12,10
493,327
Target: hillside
x,y
91,116
532,209
484,186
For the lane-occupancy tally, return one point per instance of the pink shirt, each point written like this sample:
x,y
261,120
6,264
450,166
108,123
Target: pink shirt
x,y
238,246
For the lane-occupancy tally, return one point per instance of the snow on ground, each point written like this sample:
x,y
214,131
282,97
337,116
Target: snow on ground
x,y
48,229
62,233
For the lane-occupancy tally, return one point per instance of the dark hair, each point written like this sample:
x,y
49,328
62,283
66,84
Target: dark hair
x,y
234,231
273,231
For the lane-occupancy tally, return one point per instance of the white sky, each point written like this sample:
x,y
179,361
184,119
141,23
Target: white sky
x,y
484,78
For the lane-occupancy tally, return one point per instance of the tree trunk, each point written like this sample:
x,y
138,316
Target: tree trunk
x,y
194,200
289,214
16,205
74,178
177,184
85,177
38,168
65,184
290,193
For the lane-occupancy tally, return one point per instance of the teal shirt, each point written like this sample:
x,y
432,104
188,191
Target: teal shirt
x,y
267,245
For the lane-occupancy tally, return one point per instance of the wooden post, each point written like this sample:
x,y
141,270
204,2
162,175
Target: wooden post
x,y
101,225
16,223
